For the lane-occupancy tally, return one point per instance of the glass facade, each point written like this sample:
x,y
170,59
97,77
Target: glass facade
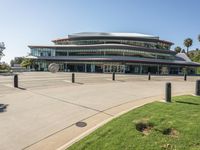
x,y
109,67
100,53
156,45
43,52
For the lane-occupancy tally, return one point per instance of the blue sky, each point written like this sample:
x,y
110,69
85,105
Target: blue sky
x,y
37,22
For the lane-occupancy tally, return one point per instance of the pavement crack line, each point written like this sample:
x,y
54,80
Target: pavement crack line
x,y
68,102
57,99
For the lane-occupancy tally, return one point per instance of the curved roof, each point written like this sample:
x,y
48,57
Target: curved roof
x,y
107,34
183,56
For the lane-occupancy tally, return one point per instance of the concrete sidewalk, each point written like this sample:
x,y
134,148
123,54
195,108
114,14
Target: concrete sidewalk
x,y
44,118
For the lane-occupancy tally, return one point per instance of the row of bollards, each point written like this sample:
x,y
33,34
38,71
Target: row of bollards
x,y
149,76
168,90
73,77
168,86
16,80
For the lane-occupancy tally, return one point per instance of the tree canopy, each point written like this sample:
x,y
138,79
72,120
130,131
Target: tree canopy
x,y
26,62
187,43
16,60
177,49
2,47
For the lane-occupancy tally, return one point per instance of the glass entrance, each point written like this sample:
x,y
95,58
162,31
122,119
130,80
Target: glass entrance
x,y
114,68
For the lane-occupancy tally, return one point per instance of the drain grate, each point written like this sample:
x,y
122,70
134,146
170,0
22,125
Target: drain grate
x,y
81,124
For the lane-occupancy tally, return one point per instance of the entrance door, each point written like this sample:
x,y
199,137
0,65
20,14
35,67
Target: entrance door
x,y
153,69
114,68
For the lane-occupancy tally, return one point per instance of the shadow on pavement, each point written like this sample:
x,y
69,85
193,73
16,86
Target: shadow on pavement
x,y
21,88
78,83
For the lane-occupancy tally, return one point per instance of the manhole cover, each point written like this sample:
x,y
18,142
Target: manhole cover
x,y
81,124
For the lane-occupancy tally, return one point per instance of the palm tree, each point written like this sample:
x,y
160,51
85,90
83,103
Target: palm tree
x,y
187,43
177,49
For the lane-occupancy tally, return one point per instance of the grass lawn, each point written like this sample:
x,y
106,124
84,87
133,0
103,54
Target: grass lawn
x,y
153,126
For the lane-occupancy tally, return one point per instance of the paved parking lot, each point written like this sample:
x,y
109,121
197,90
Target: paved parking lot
x,y
47,103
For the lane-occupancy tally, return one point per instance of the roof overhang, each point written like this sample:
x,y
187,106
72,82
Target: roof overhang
x,y
107,35
120,59
31,57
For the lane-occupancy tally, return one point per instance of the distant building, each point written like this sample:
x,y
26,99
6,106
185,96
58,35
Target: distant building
x,y
112,52
18,68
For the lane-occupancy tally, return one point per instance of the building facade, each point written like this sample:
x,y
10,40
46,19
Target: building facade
x,y
112,52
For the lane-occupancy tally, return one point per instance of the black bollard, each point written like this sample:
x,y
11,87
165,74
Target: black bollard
x,y
197,92
73,77
185,77
149,76
168,92
113,76
16,81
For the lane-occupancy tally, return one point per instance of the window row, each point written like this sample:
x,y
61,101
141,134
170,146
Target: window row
x,y
101,52
126,42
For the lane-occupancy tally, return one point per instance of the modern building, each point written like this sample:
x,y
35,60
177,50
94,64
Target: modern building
x,y
112,52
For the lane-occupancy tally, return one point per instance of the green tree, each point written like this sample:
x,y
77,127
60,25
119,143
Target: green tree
x,y
187,43
4,66
177,49
17,60
196,57
12,62
2,47
191,54
27,62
